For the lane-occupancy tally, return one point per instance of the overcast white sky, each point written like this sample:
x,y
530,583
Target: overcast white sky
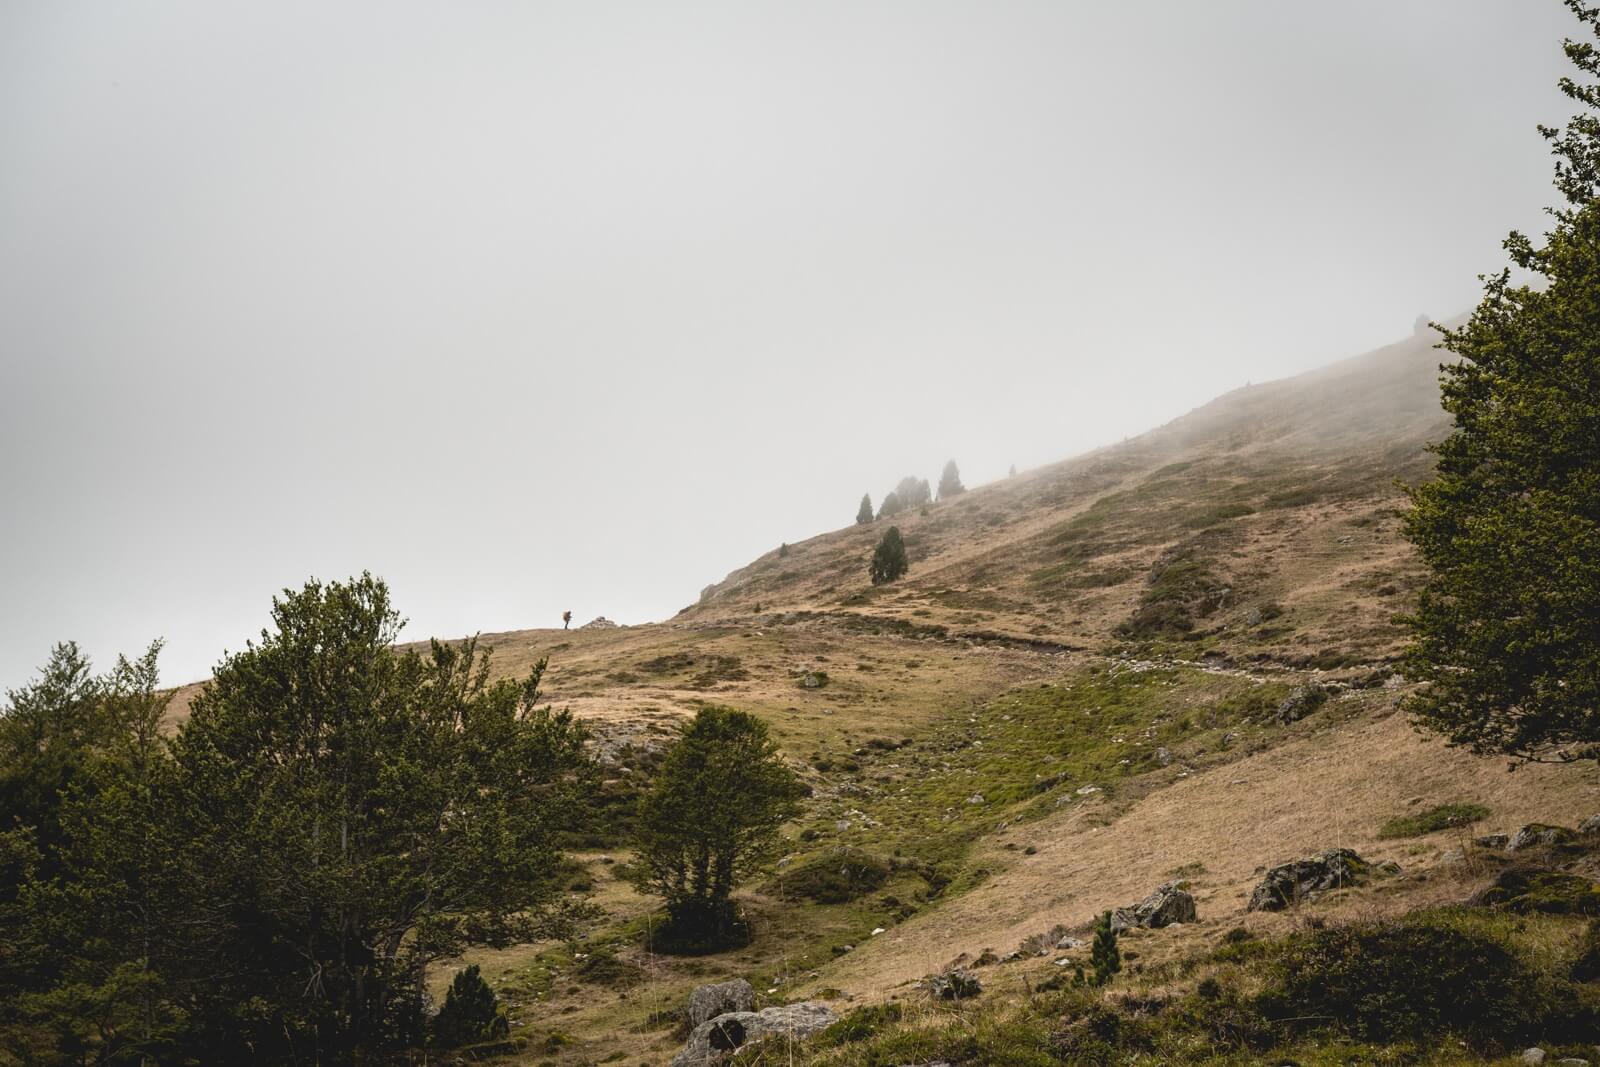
x,y
536,306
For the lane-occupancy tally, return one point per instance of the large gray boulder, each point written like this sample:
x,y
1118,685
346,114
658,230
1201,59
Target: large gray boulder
x,y
1169,904
1290,883
710,1001
713,1040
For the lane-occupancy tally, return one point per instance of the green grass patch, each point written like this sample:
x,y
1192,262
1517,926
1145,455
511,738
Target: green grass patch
x,y
1442,817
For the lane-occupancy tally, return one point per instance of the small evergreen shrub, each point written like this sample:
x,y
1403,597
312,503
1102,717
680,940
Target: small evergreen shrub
x,y
1103,954
471,1012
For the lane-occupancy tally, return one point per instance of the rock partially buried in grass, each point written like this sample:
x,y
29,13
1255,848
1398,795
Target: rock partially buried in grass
x,y
1301,701
1538,833
710,1001
956,984
1291,883
715,1039
1169,904
1538,889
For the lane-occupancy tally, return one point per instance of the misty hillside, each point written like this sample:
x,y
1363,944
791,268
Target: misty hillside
x,y
1267,494
1171,657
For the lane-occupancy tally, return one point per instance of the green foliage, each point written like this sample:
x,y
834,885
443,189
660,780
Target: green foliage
x,y
471,1012
354,811
711,819
1182,589
950,481
86,918
835,877
1416,978
1525,890
272,884
889,558
891,506
50,731
1104,954
1442,817
864,512
1504,632
860,1024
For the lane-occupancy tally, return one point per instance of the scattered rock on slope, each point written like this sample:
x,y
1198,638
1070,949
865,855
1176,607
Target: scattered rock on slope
x,y
600,622
710,1001
1304,879
1538,833
1301,701
954,984
1167,905
714,1039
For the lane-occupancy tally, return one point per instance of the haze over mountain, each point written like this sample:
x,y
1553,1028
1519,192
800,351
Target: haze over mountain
x,y
535,308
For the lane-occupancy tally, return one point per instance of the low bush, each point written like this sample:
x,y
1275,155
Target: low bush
x,y
1536,889
835,877
860,1024
1416,978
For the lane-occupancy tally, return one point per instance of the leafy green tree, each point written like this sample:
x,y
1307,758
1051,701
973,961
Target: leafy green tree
x,y
49,733
864,512
1103,953
711,818
471,1011
950,481
353,812
889,558
1504,634
90,930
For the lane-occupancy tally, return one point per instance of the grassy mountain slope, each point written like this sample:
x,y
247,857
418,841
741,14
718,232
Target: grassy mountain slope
x,y
1071,698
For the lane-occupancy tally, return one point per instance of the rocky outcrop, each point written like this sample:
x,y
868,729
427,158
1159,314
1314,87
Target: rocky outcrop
x,y
1538,833
1169,904
957,984
1590,826
1301,701
713,1040
1291,883
600,622
710,1001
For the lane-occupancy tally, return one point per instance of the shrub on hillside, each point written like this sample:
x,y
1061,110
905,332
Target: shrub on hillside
x,y
1536,889
835,877
1416,978
471,1012
889,558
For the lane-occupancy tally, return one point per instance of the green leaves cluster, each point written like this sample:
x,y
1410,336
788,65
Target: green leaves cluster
x,y
1504,633
711,819
272,884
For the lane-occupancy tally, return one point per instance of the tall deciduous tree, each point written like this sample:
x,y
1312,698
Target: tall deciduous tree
x,y
889,558
1504,633
712,818
356,811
